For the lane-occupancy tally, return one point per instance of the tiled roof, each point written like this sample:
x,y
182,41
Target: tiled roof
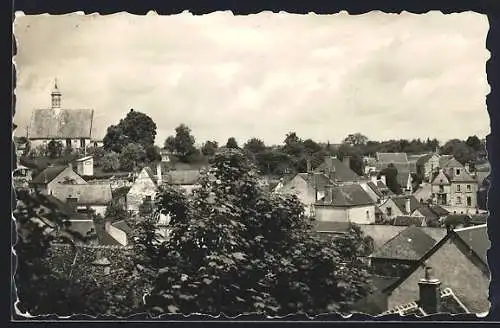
x,y
476,238
348,195
400,202
439,210
331,226
392,157
410,244
443,160
406,221
182,177
403,176
478,219
463,176
427,212
318,179
49,174
342,172
452,163
87,194
69,123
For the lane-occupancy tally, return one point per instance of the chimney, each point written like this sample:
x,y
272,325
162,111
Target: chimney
x,y
328,194
430,293
467,167
408,206
309,167
374,178
158,174
347,161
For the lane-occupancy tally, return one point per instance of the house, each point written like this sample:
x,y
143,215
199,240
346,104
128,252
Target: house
x,y
119,231
185,179
426,165
345,203
338,171
399,205
431,218
454,187
308,187
376,188
432,299
423,192
85,197
401,253
72,127
54,176
144,188
85,166
459,260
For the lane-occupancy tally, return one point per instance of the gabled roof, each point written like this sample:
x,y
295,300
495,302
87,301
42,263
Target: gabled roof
x,y
410,244
427,212
452,163
122,225
342,172
400,202
49,174
315,179
463,176
391,157
68,123
407,221
86,194
347,196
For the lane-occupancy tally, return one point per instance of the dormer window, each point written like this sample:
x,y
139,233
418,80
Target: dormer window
x,y
458,171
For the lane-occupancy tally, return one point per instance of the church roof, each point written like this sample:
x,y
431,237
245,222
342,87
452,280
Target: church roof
x,y
47,123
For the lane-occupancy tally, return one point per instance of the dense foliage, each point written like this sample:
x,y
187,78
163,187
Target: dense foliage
x,y
234,248
182,144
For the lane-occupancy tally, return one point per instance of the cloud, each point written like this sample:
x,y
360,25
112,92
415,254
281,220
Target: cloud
x,y
388,76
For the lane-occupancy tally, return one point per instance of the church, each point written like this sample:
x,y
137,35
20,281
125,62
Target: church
x,y
72,127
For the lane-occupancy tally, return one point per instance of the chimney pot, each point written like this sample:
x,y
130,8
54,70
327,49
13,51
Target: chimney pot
x,y
408,206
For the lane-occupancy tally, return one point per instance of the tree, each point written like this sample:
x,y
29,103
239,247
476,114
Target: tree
x,y
131,156
254,146
293,145
235,248
136,127
153,153
232,143
460,150
170,144
110,162
475,143
391,178
182,143
311,147
356,139
54,148
209,148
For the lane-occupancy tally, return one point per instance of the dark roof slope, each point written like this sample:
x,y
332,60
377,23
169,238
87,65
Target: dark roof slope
x,y
407,221
318,179
49,174
476,238
401,203
410,244
439,210
348,195
331,226
342,172
86,194
375,189
68,123
182,177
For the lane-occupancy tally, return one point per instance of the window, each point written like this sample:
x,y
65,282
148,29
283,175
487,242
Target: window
x,y
368,215
389,211
458,188
468,188
458,171
469,201
147,198
82,143
459,200
68,142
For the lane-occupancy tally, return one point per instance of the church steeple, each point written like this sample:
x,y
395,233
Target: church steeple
x,y
56,96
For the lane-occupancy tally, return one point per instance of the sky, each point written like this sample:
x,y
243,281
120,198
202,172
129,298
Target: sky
x,y
387,76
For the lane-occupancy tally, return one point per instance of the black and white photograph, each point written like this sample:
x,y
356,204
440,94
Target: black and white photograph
x,y
271,164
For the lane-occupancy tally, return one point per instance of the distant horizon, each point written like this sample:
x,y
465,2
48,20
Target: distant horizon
x,y
263,75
